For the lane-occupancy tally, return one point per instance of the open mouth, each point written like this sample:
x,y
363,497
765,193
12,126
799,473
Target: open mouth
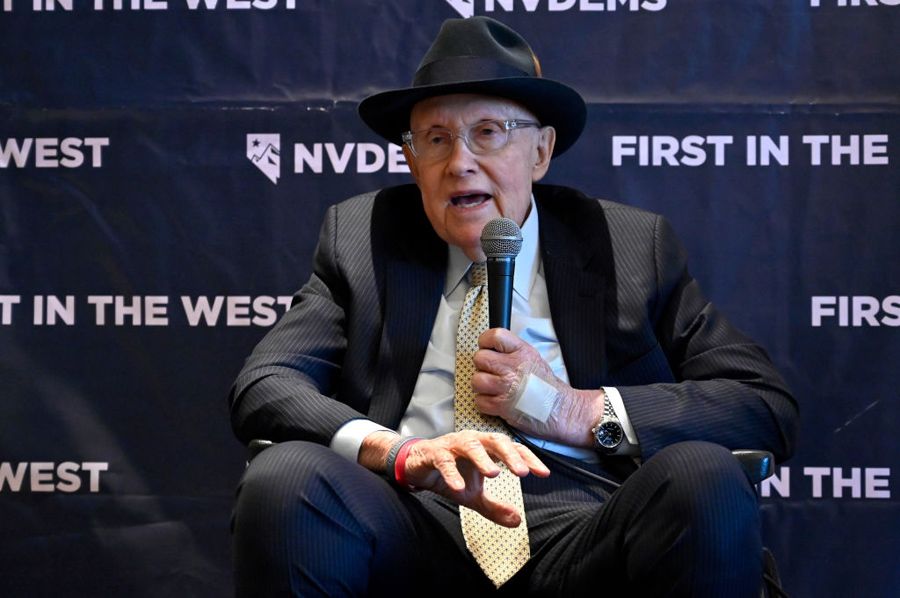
x,y
469,200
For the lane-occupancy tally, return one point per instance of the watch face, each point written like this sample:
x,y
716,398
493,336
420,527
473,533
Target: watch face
x,y
609,434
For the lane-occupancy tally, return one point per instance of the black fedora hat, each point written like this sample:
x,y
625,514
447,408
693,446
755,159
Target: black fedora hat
x,y
483,56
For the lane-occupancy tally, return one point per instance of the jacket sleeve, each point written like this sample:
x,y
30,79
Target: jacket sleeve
x,y
285,390
724,389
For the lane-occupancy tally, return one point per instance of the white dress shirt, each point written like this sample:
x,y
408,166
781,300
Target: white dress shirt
x,y
430,411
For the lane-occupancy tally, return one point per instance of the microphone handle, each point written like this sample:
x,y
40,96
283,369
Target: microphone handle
x,y
500,287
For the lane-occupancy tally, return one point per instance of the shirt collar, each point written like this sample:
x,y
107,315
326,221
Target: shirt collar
x,y
527,262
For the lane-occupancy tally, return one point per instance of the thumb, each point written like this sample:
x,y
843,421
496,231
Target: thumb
x,y
500,340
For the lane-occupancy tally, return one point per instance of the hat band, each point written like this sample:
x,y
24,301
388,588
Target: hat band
x,y
465,68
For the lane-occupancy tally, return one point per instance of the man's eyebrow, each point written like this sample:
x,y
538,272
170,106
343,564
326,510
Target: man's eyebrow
x,y
488,119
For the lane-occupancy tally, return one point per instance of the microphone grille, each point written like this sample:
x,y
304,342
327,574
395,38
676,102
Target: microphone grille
x,y
501,238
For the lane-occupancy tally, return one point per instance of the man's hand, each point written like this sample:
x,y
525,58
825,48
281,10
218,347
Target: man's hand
x,y
504,364
455,465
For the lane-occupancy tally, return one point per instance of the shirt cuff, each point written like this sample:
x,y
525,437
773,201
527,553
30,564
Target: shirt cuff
x,y
349,437
615,399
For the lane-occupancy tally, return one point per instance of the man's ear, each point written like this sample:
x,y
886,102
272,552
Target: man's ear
x,y
411,162
543,152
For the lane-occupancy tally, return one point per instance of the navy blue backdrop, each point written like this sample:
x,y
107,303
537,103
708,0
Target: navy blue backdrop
x,y
147,242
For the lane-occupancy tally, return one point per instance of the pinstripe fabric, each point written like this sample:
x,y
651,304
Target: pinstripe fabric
x,y
350,333
627,314
310,523
701,366
685,524
625,309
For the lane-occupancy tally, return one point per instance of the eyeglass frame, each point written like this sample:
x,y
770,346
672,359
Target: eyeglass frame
x,y
508,125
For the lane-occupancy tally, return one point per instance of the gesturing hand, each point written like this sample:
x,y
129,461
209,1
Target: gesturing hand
x,y
455,465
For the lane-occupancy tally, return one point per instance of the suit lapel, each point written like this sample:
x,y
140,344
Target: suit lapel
x,y
581,283
410,264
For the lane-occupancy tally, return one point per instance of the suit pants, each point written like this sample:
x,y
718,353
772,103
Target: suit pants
x,y
308,522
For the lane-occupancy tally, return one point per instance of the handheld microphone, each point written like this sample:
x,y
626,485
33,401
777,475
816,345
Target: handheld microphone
x,y
501,241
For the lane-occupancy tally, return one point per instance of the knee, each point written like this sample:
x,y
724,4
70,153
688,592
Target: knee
x,y
310,520
700,532
284,468
282,481
706,484
697,461
303,481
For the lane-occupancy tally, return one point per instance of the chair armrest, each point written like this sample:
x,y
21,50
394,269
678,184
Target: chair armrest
x,y
758,465
257,446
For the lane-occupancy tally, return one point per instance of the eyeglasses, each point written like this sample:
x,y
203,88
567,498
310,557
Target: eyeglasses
x,y
484,137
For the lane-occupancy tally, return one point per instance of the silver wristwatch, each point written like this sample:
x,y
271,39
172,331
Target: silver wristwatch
x,y
608,433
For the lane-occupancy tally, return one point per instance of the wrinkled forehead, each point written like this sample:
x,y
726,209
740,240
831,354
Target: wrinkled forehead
x,y
457,109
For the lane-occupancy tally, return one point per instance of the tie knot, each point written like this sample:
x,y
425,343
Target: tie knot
x,y
478,274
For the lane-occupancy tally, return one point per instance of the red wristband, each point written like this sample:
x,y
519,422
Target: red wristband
x,y
400,463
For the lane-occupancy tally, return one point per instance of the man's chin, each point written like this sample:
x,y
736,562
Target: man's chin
x,y
475,254
470,242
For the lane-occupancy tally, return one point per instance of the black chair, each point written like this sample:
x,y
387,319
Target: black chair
x,y
758,465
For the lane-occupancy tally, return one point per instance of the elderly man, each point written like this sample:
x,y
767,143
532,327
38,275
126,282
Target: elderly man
x,y
585,450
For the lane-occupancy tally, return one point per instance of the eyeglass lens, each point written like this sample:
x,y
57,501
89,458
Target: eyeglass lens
x,y
480,138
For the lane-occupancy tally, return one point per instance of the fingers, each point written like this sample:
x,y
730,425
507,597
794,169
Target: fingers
x,y
535,465
445,463
483,448
504,449
500,340
456,465
452,456
504,354
486,383
504,513
497,374
488,360
501,513
463,459
472,449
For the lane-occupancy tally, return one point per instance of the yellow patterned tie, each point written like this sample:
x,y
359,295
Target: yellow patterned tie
x,y
500,551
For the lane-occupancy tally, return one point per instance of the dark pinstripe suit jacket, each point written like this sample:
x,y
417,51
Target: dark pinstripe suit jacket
x,y
625,309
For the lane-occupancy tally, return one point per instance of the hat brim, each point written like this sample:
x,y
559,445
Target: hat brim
x,y
553,103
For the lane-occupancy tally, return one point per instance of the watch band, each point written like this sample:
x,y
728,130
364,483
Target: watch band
x,y
608,411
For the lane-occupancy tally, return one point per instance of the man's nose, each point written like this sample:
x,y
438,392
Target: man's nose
x,y
461,159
